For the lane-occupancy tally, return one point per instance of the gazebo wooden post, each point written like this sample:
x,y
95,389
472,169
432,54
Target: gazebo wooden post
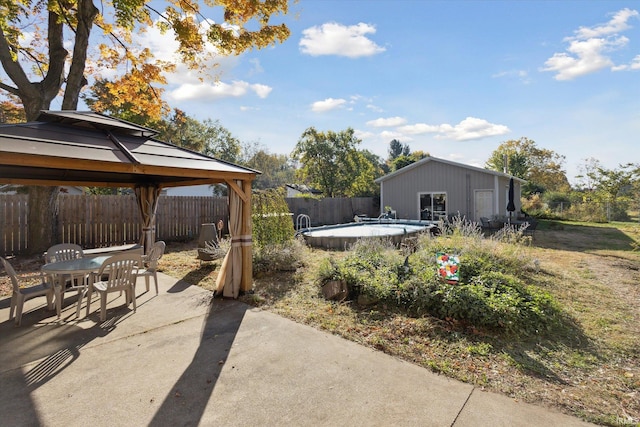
x,y
247,246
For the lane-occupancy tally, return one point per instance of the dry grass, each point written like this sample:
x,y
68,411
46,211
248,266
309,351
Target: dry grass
x,y
590,369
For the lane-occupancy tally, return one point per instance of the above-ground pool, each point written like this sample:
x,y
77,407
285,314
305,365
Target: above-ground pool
x,y
340,236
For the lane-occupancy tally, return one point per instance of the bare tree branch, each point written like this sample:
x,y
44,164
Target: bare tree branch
x,y
10,89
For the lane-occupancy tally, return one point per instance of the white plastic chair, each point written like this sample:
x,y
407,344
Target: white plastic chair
x,y
20,295
67,252
63,252
150,264
117,274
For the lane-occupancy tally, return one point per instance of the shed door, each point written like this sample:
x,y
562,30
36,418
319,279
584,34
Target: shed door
x,y
483,204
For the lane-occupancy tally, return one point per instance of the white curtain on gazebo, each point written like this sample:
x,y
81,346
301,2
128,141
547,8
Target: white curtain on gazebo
x,y
229,278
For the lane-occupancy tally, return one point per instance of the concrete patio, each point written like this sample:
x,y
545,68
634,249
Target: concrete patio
x,y
182,359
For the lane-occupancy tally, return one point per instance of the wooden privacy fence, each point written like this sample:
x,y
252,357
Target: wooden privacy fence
x,y
179,217
97,221
13,223
333,210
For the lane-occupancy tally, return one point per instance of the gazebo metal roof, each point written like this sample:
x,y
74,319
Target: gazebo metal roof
x,y
91,149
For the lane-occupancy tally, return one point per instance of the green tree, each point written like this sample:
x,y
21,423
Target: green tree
x,y
208,137
183,131
606,194
363,184
542,168
400,155
378,169
330,161
587,179
407,159
397,149
277,170
614,183
220,143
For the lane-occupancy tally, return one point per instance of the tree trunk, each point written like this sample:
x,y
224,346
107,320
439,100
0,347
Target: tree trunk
x,y
41,218
76,80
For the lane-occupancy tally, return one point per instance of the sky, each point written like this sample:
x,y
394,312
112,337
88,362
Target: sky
x,y
454,79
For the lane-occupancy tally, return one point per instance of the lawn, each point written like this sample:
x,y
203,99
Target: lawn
x,y
589,368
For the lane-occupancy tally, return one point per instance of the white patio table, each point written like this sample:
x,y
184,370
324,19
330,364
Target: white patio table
x,y
75,267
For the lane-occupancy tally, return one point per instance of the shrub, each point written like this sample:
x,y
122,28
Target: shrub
x,y
272,224
491,293
275,257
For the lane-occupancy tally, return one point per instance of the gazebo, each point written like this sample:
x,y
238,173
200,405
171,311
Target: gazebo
x,y
90,149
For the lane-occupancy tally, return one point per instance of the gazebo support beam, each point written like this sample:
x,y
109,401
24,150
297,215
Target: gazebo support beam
x,y
243,194
246,283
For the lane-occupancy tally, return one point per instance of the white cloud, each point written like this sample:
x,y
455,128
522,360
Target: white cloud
x,y
521,75
360,134
631,66
419,128
588,49
261,90
388,135
387,122
218,90
337,39
617,24
327,105
468,129
585,57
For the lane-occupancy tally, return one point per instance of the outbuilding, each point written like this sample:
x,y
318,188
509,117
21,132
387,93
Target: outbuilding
x,y
434,189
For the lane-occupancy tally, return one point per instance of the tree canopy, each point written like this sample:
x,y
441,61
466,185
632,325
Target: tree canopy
x,y
608,184
208,137
331,162
397,149
400,155
542,168
35,37
277,169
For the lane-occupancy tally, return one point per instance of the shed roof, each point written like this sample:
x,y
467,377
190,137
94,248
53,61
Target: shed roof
x,y
91,149
428,159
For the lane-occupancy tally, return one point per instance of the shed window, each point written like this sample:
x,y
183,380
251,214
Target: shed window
x,y
433,206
